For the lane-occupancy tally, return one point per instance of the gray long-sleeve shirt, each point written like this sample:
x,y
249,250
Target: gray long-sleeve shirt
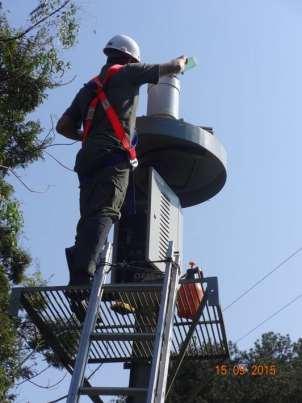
x,y
122,91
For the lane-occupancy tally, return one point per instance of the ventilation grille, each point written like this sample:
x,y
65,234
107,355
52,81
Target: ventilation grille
x,y
164,226
164,222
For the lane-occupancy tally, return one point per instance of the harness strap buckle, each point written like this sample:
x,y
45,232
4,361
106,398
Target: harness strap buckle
x,y
90,113
133,163
106,104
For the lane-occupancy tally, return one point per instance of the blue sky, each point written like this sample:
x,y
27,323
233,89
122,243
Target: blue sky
x,y
248,87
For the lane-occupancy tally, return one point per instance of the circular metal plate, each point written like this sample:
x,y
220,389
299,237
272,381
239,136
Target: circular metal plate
x,y
190,159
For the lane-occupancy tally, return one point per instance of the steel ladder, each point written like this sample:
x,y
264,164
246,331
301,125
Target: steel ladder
x,y
155,393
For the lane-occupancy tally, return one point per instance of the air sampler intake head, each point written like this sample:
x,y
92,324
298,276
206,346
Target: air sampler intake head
x,y
163,97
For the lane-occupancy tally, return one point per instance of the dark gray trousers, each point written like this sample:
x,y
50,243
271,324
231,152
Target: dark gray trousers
x,y
102,194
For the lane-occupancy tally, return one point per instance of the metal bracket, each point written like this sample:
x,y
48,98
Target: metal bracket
x,y
212,290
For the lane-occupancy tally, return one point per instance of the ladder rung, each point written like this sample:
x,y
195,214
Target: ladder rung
x,y
95,391
122,336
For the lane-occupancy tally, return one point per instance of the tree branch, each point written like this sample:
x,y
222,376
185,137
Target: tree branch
x,y
21,34
23,183
59,162
61,84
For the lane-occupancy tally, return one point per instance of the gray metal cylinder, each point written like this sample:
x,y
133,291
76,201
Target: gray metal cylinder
x,y
163,97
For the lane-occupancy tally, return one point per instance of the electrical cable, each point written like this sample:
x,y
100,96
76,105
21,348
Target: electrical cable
x,y
128,265
34,376
59,399
269,318
262,322
263,278
93,372
27,357
34,350
50,386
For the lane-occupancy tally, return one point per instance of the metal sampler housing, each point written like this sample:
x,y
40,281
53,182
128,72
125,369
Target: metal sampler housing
x,y
181,165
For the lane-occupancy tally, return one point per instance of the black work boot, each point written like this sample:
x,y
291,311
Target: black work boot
x,y
75,278
79,298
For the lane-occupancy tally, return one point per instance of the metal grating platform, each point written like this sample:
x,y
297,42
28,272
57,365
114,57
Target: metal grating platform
x,y
129,336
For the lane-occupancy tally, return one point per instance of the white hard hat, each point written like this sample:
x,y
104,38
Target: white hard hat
x,y
124,44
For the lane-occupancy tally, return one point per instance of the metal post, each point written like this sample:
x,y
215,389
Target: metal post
x,y
139,376
88,327
160,329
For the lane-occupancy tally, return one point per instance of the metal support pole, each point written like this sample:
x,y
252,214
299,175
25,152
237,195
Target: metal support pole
x,y
166,348
88,327
160,330
139,376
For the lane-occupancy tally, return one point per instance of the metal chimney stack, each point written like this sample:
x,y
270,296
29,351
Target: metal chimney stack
x,y
163,98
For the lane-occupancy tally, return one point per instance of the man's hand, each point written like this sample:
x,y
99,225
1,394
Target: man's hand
x,y
66,127
181,62
175,66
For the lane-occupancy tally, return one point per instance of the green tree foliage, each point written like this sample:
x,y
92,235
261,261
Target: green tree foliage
x,y
270,372
30,65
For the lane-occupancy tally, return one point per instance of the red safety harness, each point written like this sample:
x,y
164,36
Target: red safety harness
x,y
111,114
